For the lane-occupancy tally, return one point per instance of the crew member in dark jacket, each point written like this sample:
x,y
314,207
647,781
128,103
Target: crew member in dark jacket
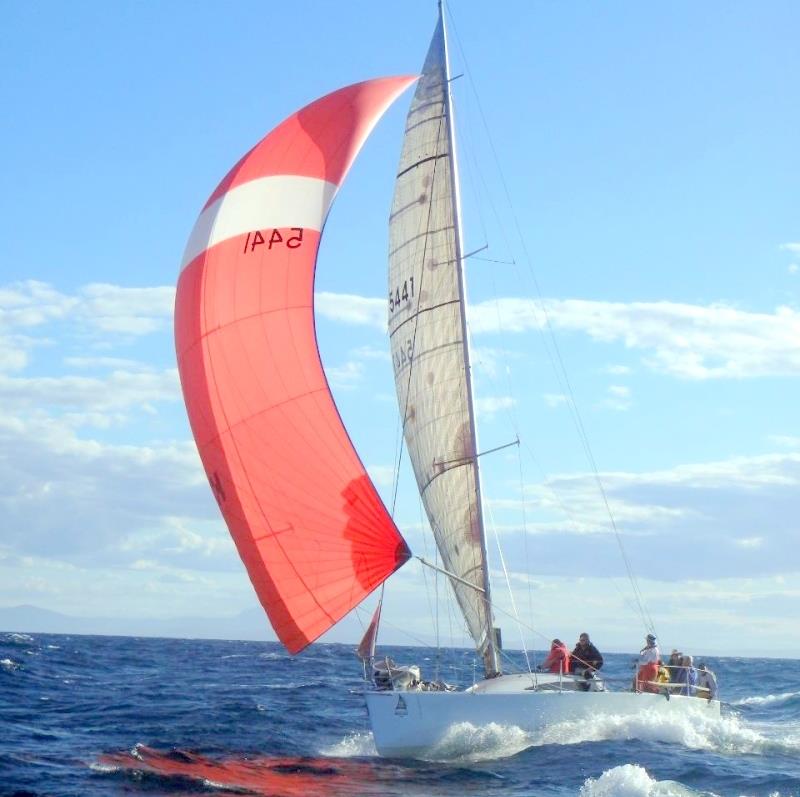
x,y
586,659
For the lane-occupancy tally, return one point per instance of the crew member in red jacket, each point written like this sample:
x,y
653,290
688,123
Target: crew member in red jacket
x,y
558,658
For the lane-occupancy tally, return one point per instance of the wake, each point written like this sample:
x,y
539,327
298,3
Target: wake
x,y
767,700
631,780
465,742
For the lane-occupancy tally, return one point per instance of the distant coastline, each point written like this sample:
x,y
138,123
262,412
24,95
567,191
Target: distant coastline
x,y
249,625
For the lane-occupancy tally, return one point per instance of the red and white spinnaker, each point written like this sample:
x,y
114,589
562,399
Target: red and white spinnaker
x,y
308,523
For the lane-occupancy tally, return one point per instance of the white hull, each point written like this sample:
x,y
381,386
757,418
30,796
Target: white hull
x,y
412,724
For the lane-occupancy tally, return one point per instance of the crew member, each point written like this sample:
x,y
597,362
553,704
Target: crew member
x,y
688,677
585,659
649,659
558,658
708,681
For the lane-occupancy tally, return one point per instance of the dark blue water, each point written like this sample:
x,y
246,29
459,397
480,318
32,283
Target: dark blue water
x,y
115,715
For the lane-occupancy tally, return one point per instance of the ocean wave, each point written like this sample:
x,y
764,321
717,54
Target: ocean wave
x,y
293,686
467,742
273,656
726,734
8,664
766,700
18,639
354,745
631,780
99,766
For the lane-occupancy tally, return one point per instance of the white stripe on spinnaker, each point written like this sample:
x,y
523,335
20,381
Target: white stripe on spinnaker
x,y
268,202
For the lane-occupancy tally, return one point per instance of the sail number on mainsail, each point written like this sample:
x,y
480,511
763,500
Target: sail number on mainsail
x,y
397,296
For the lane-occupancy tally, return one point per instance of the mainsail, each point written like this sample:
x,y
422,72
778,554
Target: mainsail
x,y
307,521
428,334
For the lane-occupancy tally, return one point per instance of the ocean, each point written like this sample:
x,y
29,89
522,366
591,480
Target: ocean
x,y
84,715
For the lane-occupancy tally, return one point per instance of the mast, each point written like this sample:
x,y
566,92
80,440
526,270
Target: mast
x,y
492,664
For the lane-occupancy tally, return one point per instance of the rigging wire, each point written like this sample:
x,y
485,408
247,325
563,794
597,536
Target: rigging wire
x,y
529,591
571,518
553,350
510,591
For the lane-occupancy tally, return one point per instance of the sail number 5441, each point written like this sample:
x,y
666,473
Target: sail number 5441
x,y
401,294
259,238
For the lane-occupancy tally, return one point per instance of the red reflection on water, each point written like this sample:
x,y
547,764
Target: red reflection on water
x,y
275,776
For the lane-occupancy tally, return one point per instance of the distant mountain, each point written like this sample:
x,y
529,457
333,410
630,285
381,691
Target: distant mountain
x,y
248,624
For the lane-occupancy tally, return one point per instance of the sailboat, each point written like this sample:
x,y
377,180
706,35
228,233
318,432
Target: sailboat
x,y
313,533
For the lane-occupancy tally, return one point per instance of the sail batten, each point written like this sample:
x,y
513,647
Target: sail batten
x,y
428,335
306,520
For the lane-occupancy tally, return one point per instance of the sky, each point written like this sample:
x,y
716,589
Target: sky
x,y
633,172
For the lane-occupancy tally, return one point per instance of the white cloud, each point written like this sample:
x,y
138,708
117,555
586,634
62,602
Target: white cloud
x,y
555,399
32,303
371,353
90,363
488,406
793,268
351,309
347,376
794,248
785,441
618,398
492,360
132,311
749,542
118,390
382,475
687,341
14,352
101,307
728,518
683,340
66,497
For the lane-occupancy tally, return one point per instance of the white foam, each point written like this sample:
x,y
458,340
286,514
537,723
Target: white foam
x,y
727,734
213,784
271,656
467,742
765,700
470,743
292,685
8,664
96,766
631,780
354,745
